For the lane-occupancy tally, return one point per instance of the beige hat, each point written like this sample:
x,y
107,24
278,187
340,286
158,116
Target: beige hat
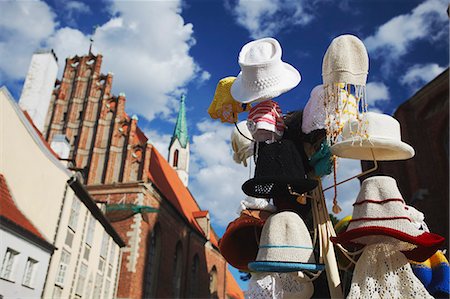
x,y
346,61
241,143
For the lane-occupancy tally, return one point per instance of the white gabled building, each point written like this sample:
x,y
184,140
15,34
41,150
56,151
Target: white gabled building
x,y
85,263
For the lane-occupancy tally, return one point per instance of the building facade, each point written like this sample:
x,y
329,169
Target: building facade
x,y
169,254
86,260
424,179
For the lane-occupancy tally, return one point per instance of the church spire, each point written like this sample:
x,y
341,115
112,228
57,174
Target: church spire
x,y
180,132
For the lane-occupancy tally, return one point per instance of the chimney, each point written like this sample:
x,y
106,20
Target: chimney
x,y
60,145
202,218
38,87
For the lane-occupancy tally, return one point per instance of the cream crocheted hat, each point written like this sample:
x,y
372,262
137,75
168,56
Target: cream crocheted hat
x,y
263,74
346,61
241,143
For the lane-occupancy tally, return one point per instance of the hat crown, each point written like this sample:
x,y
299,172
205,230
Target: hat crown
x,y
379,188
374,125
259,52
345,61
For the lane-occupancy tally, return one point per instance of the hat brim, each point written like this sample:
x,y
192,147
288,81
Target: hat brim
x,y
283,267
239,244
279,187
291,78
384,149
427,243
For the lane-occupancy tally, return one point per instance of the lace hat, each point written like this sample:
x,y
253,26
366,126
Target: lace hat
x,y
279,172
241,143
384,272
285,246
223,106
263,74
279,285
239,244
381,134
380,216
266,116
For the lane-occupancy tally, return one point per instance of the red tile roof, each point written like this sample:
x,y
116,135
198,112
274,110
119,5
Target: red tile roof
x,y
233,289
9,210
169,184
200,214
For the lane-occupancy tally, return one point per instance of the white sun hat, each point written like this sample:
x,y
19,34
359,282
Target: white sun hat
x,y
241,143
381,133
285,246
263,74
384,272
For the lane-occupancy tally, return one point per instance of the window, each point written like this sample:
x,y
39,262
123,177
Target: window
x,y
74,212
175,158
194,277
105,240
30,270
101,265
89,286
62,268
90,230
112,253
69,238
81,279
9,264
213,282
152,263
57,292
106,290
87,251
98,286
177,263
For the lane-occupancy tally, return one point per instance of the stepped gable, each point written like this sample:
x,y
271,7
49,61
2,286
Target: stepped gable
x,y
169,184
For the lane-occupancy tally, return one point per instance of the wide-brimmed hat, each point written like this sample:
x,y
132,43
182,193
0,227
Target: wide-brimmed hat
x,y
381,134
263,74
285,246
380,215
241,143
346,61
239,244
279,172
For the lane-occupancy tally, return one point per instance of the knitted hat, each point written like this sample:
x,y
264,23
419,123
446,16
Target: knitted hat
x,y
223,105
263,74
384,272
434,273
285,246
346,61
241,142
279,172
279,285
381,134
266,116
239,244
380,216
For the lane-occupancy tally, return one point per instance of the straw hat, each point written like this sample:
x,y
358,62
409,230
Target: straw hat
x,y
346,61
382,135
263,74
241,143
285,246
239,244
380,216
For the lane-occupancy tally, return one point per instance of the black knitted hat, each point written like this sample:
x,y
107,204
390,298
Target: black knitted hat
x,y
279,172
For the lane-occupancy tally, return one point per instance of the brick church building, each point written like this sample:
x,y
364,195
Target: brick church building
x,y
170,253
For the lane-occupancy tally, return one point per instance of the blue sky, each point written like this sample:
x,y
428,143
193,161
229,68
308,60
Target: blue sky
x,y
158,50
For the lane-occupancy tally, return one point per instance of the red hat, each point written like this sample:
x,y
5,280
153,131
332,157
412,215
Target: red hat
x,y
380,215
239,244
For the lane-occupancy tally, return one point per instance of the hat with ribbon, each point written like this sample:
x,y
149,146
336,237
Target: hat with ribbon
x,y
380,215
381,133
223,105
279,172
285,246
263,74
241,143
239,244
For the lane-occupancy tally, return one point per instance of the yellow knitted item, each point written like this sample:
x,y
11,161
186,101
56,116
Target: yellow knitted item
x,y
223,105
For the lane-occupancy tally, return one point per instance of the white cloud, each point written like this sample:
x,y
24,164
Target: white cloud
x,y
377,94
419,74
264,18
77,6
146,44
216,179
394,38
205,76
346,192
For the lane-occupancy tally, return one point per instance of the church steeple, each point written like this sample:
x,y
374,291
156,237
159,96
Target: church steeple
x,y
179,145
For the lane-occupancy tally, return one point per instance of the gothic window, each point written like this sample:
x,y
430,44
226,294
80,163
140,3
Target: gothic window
x,y
152,265
175,158
194,277
177,265
213,282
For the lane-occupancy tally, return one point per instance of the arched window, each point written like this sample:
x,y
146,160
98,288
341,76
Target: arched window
x,y
213,282
175,158
152,265
193,289
177,269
